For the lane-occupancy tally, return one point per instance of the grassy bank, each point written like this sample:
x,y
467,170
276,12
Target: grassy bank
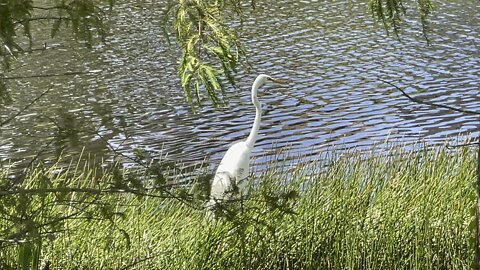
x,y
398,210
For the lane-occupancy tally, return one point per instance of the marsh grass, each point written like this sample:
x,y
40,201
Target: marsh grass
x,y
396,210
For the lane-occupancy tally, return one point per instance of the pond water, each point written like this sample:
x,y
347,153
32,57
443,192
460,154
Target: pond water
x,y
332,52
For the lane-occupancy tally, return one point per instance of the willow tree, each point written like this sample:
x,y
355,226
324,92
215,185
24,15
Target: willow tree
x,y
211,51
390,12
85,18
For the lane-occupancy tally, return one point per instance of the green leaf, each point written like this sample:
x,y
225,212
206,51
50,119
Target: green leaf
x,y
186,79
211,77
165,18
197,90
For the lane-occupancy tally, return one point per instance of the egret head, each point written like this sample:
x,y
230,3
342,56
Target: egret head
x,y
262,79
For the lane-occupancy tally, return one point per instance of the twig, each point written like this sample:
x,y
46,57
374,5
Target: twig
x,y
37,155
462,145
42,18
78,190
45,75
119,153
26,107
115,150
24,51
50,8
16,238
42,94
91,191
416,100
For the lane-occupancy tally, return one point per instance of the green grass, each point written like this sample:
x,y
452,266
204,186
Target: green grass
x,y
397,210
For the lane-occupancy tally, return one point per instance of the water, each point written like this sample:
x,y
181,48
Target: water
x,y
332,52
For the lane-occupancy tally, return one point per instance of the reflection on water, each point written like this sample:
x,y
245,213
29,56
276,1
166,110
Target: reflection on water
x,y
331,51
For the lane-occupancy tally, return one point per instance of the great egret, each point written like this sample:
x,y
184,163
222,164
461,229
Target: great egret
x,y
233,170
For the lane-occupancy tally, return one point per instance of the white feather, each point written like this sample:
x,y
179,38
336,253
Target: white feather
x,y
235,165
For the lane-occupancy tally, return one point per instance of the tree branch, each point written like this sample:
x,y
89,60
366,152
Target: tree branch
x,y
6,121
79,190
462,145
19,237
416,100
41,19
50,8
70,73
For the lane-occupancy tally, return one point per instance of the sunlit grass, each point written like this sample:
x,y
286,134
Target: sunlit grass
x,y
396,210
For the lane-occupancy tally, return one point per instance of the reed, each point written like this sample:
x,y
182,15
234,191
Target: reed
x,y
393,210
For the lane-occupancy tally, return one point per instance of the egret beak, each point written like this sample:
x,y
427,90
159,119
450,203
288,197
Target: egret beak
x,y
278,80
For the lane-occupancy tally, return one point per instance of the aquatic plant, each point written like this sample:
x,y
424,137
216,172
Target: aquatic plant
x,y
401,209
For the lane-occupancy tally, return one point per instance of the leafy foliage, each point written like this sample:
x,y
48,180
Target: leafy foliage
x,y
86,18
12,14
35,207
390,12
408,209
210,49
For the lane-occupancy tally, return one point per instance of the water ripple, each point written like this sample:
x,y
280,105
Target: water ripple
x,y
332,51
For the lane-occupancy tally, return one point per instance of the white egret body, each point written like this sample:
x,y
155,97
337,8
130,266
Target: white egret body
x,y
234,168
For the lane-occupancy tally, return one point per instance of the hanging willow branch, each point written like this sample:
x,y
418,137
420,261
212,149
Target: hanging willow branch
x,y
210,49
85,17
390,12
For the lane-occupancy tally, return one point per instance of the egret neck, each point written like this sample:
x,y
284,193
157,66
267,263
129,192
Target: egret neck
x,y
258,115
